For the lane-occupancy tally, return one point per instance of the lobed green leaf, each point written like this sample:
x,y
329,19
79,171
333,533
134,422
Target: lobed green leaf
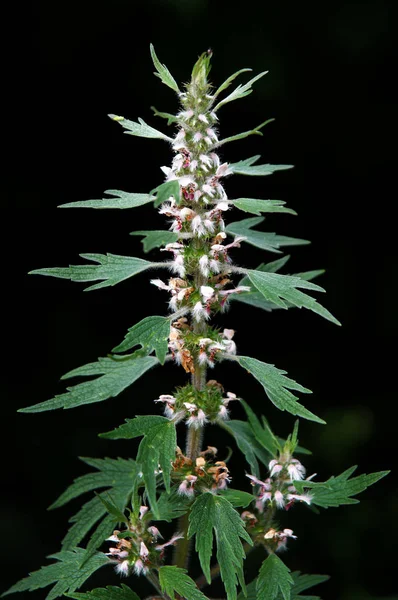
x,y
156,239
112,269
240,92
247,444
208,513
157,448
264,240
274,580
111,592
238,498
228,82
121,200
175,580
256,207
339,490
244,167
241,136
117,374
277,387
140,129
165,190
163,73
151,333
69,573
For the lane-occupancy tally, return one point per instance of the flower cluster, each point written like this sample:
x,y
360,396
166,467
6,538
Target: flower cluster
x,y
278,489
137,547
197,407
203,474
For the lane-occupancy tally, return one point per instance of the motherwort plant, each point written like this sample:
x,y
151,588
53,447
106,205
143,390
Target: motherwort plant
x,y
172,479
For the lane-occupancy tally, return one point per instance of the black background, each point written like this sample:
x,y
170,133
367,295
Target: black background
x,y
330,87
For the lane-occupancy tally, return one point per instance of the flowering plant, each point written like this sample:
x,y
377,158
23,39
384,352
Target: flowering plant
x,y
166,483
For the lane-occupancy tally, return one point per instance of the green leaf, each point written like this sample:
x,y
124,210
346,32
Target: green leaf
x,y
256,207
237,498
245,134
339,490
119,477
256,299
116,375
162,72
140,129
151,333
277,387
164,115
274,579
241,91
304,582
114,511
68,573
165,190
112,268
247,444
264,240
172,505
175,580
111,592
156,239
228,81
121,200
208,513
280,289
157,448
244,167
262,432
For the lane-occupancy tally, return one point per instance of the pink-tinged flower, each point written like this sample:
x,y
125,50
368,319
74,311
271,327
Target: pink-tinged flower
x,y
212,134
279,499
223,413
206,160
228,333
197,137
177,266
208,140
143,511
288,533
255,480
197,421
223,170
296,470
193,166
185,114
215,158
171,542
123,568
139,567
186,488
209,224
275,469
208,189
113,538
154,531
203,119
202,358
271,534
190,407
197,195
143,551
307,498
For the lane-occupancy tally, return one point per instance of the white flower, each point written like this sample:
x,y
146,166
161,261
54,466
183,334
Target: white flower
x,y
223,412
154,531
139,567
279,499
214,266
197,137
190,407
197,195
123,568
177,266
223,170
202,358
199,312
194,165
143,510
171,542
186,114
206,160
197,421
206,291
229,346
228,333
216,159
212,134
210,226
166,170
113,538
204,264
208,140
207,189
186,488
307,498
160,284
222,206
197,225
296,470
203,119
